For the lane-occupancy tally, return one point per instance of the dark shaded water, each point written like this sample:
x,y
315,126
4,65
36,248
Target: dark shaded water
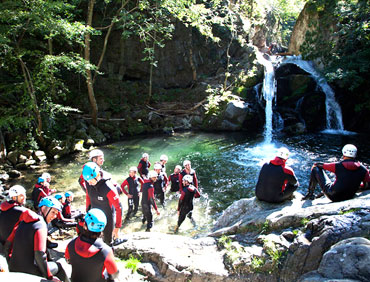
x,y
227,166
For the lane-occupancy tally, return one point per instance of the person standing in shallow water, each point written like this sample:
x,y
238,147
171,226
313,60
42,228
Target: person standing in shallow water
x,y
132,182
143,166
276,181
148,201
188,171
349,175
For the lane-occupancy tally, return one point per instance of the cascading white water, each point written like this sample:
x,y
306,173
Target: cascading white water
x,y
333,111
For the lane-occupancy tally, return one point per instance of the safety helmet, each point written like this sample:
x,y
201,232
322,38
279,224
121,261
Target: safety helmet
x,y
350,151
95,153
186,162
90,171
96,220
40,180
46,175
69,194
152,174
163,158
50,202
133,168
145,155
188,178
58,196
157,166
16,190
179,167
283,153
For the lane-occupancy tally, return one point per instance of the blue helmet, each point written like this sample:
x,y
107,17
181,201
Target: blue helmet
x,y
40,180
58,196
90,171
68,194
95,220
50,202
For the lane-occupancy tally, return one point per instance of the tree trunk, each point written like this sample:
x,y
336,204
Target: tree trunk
x,y
3,152
89,80
191,61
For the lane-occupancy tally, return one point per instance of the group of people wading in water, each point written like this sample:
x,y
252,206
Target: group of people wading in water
x,y
23,232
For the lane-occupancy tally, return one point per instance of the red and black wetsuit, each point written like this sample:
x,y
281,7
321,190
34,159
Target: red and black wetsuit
x,y
10,216
82,181
89,259
66,211
185,205
192,173
174,178
104,196
147,201
133,189
143,168
349,175
159,186
39,192
276,182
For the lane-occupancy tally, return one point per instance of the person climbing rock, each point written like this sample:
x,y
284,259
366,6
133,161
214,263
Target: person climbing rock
x,y
161,183
174,178
147,200
143,166
91,259
102,194
185,205
11,211
188,170
350,174
132,182
276,181
26,246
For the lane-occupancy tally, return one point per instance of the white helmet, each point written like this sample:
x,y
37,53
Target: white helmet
x,y
46,175
95,153
133,168
350,151
157,166
188,178
152,174
179,167
283,153
186,162
145,155
163,158
16,190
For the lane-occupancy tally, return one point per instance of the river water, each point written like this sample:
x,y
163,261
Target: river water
x,y
227,165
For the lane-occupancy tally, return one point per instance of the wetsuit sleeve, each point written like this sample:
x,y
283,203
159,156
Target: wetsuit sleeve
x,y
166,181
114,200
124,183
67,211
149,164
140,168
195,180
110,265
366,182
141,182
197,194
180,182
88,201
66,254
180,200
82,183
151,198
329,167
39,248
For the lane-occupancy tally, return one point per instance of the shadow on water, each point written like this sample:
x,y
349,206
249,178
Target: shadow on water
x,y
227,165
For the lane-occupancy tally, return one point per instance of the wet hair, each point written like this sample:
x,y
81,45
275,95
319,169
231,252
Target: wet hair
x,y
89,234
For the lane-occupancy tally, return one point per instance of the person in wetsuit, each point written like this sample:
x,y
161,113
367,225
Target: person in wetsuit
x,y
67,213
147,200
349,175
276,181
40,191
188,170
162,161
96,156
174,178
161,183
11,211
26,246
132,182
185,205
143,166
92,260
102,194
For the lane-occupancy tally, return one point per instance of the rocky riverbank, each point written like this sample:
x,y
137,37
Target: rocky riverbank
x,y
297,241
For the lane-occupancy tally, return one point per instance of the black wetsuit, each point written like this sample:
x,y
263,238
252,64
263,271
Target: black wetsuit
x,y
185,205
147,201
143,168
276,182
192,173
159,186
89,258
349,175
133,189
66,211
10,216
174,178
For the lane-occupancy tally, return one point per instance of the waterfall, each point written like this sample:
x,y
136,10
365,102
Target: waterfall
x,y
333,111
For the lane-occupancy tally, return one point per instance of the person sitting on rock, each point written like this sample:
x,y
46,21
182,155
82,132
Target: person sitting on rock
x,y
161,183
40,191
67,212
132,182
61,222
349,175
188,170
11,211
174,178
143,166
185,206
147,200
26,246
276,181
47,177
90,257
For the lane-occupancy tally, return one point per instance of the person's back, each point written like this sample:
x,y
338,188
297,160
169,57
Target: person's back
x,y
10,216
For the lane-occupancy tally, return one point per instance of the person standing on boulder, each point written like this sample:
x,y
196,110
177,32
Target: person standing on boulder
x,y
148,201
90,257
143,166
349,175
276,181
188,170
102,194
